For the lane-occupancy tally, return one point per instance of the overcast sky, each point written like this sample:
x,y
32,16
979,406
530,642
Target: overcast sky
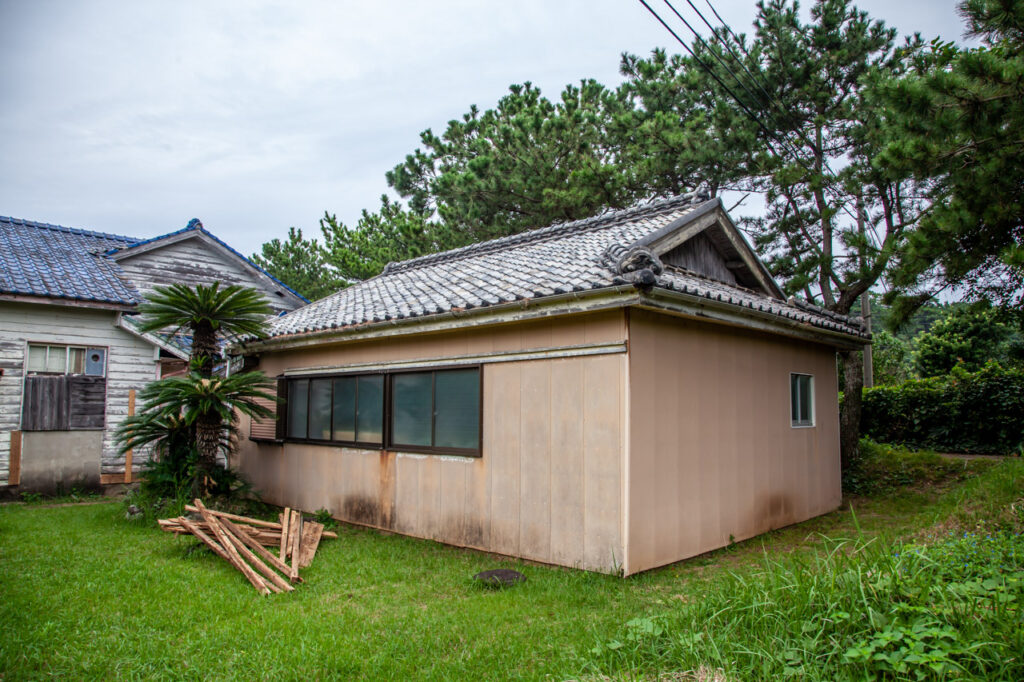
x,y
133,117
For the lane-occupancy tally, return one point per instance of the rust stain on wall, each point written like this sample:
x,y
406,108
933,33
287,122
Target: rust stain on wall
x,y
360,509
387,489
774,511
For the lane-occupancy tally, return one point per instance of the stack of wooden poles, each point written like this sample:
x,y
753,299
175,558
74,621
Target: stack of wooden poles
x,y
243,542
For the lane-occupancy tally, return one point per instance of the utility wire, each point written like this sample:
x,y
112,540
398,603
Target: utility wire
x,y
710,72
758,82
785,144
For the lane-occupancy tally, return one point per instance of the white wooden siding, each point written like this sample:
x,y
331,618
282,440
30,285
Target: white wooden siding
x,y
130,364
12,357
193,261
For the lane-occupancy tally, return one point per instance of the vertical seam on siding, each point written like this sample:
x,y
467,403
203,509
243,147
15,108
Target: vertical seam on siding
x,y
626,435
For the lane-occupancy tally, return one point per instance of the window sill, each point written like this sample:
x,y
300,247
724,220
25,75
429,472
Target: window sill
x,y
401,449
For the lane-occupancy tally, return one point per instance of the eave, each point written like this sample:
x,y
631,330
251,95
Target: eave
x,y
515,311
67,302
151,338
656,299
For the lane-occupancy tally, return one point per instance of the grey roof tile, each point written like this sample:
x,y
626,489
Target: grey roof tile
x,y
536,264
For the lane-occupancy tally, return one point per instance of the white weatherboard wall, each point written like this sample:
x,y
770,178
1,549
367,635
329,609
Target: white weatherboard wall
x,y
130,364
193,261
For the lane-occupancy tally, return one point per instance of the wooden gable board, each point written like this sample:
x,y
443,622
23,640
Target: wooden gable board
x,y
733,252
195,257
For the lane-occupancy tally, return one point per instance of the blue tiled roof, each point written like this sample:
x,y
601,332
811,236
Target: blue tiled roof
x,y
52,261
40,259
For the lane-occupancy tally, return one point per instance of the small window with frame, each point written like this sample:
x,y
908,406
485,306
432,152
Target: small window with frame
x,y
801,400
61,359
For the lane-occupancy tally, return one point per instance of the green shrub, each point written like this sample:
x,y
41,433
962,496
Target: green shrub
x,y
980,412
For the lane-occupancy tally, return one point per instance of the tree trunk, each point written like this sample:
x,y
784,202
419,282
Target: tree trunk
x,y
205,350
208,435
849,415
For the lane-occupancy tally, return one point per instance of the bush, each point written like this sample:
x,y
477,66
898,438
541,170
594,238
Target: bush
x,y
980,412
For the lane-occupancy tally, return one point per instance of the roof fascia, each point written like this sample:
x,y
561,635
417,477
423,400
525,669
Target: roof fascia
x,y
516,311
749,256
674,234
153,244
209,240
698,307
67,302
693,223
151,338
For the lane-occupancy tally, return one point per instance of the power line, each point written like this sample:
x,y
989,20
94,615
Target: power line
x,y
718,80
785,144
758,82
774,100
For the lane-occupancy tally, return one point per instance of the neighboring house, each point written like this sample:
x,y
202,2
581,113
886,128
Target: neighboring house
x,y
614,394
71,358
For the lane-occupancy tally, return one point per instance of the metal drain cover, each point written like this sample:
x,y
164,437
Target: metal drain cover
x,y
500,577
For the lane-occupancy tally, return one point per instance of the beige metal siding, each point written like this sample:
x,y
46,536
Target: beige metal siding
x,y
712,453
548,484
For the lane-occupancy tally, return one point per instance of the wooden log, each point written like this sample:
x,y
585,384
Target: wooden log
x,y
294,538
286,525
264,534
245,537
275,582
206,539
235,559
235,517
311,532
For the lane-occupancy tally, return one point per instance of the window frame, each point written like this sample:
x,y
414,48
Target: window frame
x,y
794,385
431,449
366,445
67,358
387,391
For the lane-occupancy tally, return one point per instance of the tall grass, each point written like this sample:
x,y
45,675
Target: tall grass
x,y
859,609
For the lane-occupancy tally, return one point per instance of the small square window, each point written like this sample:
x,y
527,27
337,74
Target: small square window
x,y
801,396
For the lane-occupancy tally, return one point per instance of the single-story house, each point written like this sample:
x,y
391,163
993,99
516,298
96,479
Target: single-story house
x,y
614,394
71,358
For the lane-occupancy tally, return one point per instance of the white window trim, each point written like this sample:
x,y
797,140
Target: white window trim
x,y
794,423
67,357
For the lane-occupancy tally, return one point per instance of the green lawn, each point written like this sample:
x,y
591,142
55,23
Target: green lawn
x,y
85,594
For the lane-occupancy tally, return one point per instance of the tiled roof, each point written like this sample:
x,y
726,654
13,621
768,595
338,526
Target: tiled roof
x,y
572,257
39,259
52,261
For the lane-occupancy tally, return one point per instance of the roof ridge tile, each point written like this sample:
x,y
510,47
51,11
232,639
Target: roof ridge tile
x,y
606,218
69,230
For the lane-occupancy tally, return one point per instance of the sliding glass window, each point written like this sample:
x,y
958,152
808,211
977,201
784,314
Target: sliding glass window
x,y
435,411
347,409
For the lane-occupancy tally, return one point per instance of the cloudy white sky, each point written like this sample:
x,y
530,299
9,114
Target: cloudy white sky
x,y
133,117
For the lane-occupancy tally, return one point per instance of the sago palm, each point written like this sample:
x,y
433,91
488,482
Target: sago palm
x,y
208,313
207,406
